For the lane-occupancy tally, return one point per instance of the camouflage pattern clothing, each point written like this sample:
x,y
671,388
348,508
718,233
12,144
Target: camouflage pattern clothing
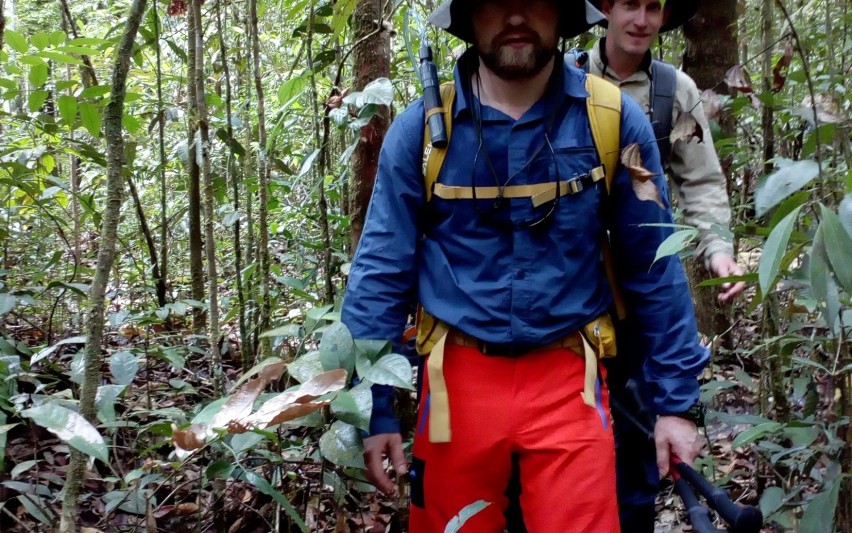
x,y
692,166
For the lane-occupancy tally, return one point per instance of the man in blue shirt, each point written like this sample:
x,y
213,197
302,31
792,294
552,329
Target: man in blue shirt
x,y
507,280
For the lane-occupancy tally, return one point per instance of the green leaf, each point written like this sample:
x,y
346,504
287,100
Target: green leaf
x,y
60,57
80,339
40,40
844,211
307,163
345,408
287,330
124,366
791,176
337,348
819,514
822,284
291,89
82,50
7,303
265,487
38,75
456,522
342,445
378,92
306,367
392,369
773,252
91,117
105,401
95,91
771,500
17,41
342,11
70,427
67,108
57,37
675,243
838,247
752,434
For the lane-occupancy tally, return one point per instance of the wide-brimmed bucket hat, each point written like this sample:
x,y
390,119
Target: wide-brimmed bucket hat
x,y
575,17
679,12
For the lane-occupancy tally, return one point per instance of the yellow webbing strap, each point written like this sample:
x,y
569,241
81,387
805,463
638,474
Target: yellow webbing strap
x,y
591,358
433,158
439,399
604,108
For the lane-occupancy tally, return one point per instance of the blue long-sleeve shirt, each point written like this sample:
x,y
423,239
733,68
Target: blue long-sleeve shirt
x,y
465,264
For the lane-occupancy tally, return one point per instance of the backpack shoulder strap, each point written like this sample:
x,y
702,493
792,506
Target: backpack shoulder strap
x,y
663,80
604,109
433,158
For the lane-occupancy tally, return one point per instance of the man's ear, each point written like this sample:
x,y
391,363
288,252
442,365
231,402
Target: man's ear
x,y
606,6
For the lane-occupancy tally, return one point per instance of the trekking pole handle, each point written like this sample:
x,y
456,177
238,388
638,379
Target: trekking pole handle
x,y
740,518
699,516
432,97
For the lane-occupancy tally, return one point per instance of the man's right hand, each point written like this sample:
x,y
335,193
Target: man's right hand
x,y
376,448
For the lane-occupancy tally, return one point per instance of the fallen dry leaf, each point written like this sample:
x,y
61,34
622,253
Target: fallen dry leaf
x,y
281,407
686,128
828,111
738,78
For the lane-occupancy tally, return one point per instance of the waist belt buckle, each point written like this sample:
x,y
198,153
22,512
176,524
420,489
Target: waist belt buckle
x,y
498,350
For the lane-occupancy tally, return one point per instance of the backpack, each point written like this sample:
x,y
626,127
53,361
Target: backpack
x,y
663,79
604,110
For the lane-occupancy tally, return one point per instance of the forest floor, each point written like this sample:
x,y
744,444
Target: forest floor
x,y
147,488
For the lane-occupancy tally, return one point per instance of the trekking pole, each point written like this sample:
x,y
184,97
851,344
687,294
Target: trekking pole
x,y
740,518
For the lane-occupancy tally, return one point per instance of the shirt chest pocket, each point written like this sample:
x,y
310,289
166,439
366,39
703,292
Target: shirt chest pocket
x,y
582,187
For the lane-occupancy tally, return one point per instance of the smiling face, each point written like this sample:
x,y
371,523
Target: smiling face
x,y
516,38
632,25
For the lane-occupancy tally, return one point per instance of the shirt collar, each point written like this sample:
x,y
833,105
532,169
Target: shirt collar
x,y
573,81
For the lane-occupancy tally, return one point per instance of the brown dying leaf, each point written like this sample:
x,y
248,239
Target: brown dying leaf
x,y
686,128
189,439
712,105
240,404
280,408
779,71
738,78
643,185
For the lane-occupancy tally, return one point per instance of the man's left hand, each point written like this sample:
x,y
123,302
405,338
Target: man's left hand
x,y
675,435
723,266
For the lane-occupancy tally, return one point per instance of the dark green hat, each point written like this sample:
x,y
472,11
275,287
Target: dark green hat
x,y
679,12
575,17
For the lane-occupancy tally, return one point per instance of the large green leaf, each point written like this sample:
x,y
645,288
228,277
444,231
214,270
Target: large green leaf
x,y
790,177
757,432
771,500
392,369
844,211
91,117
306,366
838,247
773,252
819,514
291,89
124,366
342,11
342,445
675,243
337,348
15,40
823,286
38,75
455,524
71,427
7,302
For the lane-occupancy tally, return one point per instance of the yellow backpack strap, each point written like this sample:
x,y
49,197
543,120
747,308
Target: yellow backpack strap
x,y
433,158
604,108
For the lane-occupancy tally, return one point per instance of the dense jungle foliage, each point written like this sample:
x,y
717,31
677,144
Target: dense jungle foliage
x,y
181,185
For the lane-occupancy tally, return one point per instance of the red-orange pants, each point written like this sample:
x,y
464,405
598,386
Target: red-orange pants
x,y
528,408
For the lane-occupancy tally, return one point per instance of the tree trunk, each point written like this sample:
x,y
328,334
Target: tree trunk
x,y
161,131
208,200
372,60
196,262
711,49
263,186
159,285
106,256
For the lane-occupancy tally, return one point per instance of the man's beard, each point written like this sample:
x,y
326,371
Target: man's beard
x,y
511,63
